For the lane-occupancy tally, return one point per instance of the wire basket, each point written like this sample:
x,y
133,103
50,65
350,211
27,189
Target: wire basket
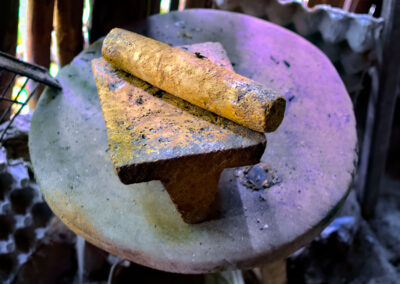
x,y
12,69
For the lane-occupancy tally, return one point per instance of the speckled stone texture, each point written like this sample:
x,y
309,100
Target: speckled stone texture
x,y
196,80
313,152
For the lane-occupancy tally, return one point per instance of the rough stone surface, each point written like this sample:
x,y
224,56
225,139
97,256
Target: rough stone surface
x,y
196,80
156,136
313,151
52,256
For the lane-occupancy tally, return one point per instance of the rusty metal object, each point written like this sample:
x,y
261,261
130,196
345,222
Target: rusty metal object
x,y
156,136
12,67
196,80
32,71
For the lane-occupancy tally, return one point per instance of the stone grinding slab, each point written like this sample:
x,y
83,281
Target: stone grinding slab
x,y
313,152
153,135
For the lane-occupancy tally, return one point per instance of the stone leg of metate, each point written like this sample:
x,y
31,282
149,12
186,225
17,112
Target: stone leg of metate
x,y
192,186
274,272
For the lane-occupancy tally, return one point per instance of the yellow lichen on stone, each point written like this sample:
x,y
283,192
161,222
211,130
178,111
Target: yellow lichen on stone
x,y
145,124
154,135
196,80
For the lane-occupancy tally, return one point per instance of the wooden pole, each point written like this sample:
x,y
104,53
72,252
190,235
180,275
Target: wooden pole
x,y
68,26
333,3
39,24
174,5
9,26
198,4
155,7
383,104
8,41
118,13
361,6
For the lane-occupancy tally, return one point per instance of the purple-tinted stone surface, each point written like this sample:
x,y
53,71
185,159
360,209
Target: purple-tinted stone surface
x,y
313,151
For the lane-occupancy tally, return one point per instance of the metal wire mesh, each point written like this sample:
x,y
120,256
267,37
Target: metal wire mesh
x,y
15,68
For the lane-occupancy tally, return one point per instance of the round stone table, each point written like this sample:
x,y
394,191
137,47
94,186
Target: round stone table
x,y
313,152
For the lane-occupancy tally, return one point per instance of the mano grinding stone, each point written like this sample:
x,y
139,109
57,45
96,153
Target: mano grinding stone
x,y
198,81
156,136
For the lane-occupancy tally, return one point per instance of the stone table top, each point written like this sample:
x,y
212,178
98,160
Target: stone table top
x,y
313,153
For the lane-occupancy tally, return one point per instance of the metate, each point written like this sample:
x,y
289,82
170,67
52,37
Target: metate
x,y
156,136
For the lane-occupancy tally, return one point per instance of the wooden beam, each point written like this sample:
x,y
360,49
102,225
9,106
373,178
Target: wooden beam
x,y
383,106
198,4
333,3
8,25
68,26
155,7
361,6
118,13
39,25
8,42
174,5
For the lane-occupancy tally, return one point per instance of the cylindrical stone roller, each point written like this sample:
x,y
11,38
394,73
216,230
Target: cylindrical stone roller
x,y
196,80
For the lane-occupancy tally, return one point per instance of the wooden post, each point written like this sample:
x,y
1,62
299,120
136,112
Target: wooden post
x,y
118,13
333,3
383,103
174,5
361,6
155,7
68,26
198,4
8,41
9,25
39,25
